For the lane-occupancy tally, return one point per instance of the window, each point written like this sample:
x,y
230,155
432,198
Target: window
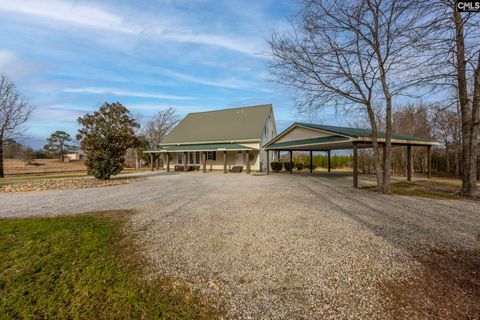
x,y
212,155
197,157
179,158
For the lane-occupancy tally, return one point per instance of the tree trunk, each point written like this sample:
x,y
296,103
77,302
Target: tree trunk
x,y
468,125
2,173
376,148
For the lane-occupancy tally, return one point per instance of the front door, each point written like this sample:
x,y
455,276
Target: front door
x,y
239,158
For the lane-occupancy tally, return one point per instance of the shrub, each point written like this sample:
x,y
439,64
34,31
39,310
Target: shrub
x,y
307,166
105,137
299,166
286,165
276,166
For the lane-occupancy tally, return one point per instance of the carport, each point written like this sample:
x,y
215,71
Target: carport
x,y
306,137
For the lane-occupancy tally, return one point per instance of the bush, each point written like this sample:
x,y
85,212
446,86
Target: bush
x,y
307,166
105,136
299,166
276,166
286,165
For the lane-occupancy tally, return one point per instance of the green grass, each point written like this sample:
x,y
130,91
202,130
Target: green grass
x,y
84,267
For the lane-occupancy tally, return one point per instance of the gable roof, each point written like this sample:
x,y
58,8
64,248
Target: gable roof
x,y
357,132
242,123
339,138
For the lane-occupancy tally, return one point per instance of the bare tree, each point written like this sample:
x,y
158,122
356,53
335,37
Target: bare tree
x,y
453,42
160,125
352,54
14,111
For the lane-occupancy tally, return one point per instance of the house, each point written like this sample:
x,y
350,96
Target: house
x,y
74,156
230,140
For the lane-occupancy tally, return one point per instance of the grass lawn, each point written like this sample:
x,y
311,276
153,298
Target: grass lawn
x,y
84,267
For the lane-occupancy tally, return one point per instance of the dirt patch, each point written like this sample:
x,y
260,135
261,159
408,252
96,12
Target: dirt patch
x,y
447,288
67,183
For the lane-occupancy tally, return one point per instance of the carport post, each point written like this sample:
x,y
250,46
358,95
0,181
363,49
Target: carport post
x,y
224,161
329,164
151,162
311,161
248,161
429,162
290,154
185,162
355,164
268,162
168,162
204,162
409,163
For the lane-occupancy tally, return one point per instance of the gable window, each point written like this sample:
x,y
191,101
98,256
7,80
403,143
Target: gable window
x,y
212,155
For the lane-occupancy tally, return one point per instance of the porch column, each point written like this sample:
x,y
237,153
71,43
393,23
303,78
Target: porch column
x,y
185,162
355,164
268,162
290,153
204,162
429,162
409,163
224,161
311,161
248,161
168,162
151,162
329,164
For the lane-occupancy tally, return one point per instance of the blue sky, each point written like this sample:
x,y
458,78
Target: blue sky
x,y
68,57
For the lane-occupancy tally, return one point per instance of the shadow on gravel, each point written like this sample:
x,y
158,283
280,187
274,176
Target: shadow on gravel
x,y
449,285
448,288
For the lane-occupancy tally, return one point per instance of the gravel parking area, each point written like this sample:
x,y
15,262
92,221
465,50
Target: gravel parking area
x,y
292,247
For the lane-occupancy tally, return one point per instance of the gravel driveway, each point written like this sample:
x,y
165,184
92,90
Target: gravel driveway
x,y
278,246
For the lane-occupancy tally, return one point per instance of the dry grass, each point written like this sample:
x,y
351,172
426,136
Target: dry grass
x,y
437,188
447,288
41,166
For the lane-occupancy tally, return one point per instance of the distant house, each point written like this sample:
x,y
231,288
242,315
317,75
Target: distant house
x,y
229,140
74,156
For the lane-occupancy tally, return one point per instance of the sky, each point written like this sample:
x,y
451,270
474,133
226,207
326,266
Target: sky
x,y
69,57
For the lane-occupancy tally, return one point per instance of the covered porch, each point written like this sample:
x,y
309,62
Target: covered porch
x,y
206,157
319,138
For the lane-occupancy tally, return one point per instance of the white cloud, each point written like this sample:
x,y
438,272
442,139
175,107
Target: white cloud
x,y
96,17
6,57
69,12
124,93
231,83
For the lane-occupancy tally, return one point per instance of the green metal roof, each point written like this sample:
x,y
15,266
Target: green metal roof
x,y
308,141
243,123
205,147
357,132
